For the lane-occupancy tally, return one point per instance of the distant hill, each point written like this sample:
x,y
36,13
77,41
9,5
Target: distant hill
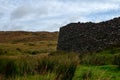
x,y
22,36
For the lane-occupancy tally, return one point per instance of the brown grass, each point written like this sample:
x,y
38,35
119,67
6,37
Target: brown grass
x,y
21,36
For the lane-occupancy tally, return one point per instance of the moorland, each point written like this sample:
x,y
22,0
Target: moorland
x,y
33,56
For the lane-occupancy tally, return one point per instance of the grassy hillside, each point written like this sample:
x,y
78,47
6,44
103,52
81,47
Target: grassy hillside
x,y
33,56
21,36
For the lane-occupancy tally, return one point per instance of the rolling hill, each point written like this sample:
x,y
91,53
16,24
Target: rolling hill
x,y
22,36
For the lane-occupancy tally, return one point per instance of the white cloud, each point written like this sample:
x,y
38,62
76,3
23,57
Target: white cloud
x,y
51,14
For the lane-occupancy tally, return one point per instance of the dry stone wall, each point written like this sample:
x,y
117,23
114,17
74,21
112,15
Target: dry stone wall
x,y
89,37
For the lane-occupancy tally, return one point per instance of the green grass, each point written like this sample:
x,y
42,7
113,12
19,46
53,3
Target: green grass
x,y
62,65
104,65
107,57
106,72
27,48
49,76
40,61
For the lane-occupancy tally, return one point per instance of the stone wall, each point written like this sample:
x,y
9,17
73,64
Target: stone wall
x,y
89,37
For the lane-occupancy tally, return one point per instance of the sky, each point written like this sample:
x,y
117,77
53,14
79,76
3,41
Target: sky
x,y
50,15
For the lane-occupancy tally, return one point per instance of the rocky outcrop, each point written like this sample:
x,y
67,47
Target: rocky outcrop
x,y
89,37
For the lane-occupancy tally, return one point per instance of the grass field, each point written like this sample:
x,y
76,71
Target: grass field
x,y
104,72
38,60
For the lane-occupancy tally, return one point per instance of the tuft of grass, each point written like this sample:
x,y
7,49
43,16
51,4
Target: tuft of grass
x,y
2,52
107,57
62,65
117,60
87,75
65,72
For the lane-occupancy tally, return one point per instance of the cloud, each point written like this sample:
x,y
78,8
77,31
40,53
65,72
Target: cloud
x,y
20,12
28,11
50,15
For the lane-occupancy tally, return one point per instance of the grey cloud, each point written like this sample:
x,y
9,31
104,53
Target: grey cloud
x,y
23,11
20,12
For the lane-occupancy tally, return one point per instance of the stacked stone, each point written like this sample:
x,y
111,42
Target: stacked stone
x,y
89,37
